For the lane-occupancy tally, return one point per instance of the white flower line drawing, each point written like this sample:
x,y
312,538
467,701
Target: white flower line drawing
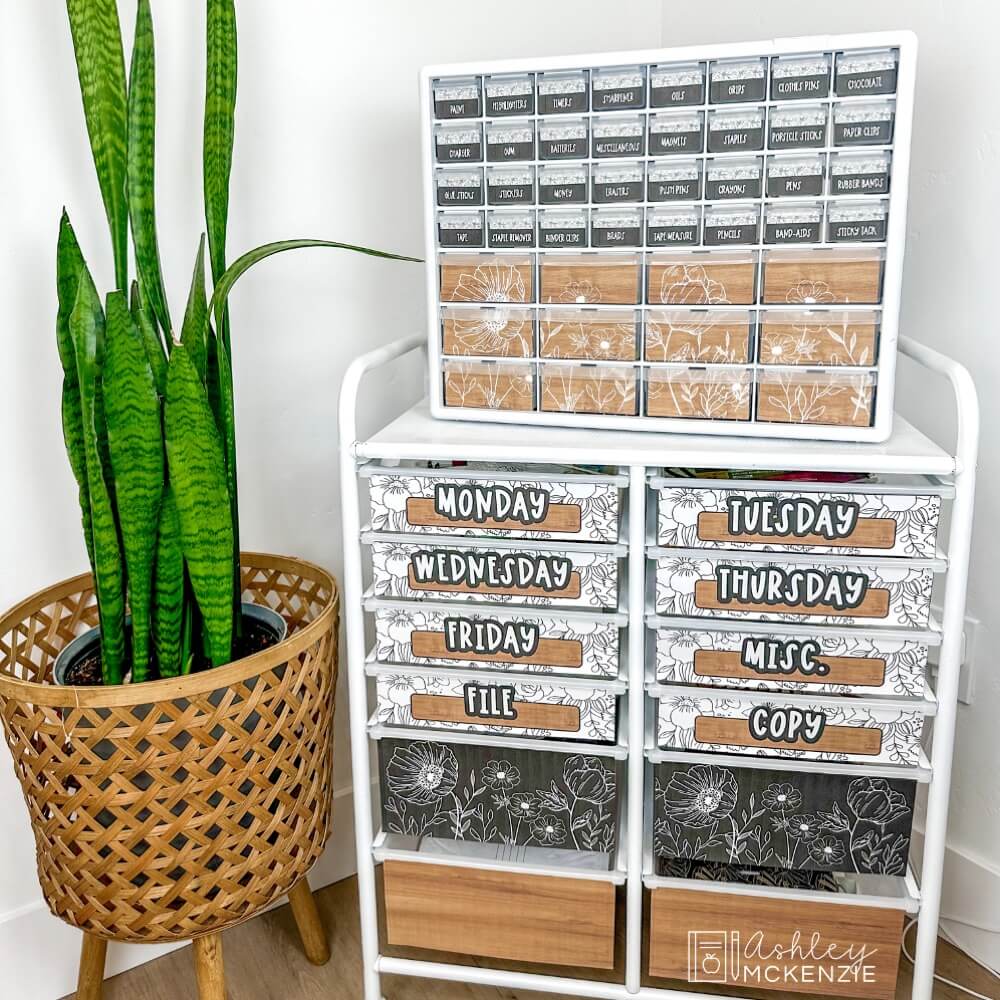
x,y
493,388
589,390
805,401
712,395
500,331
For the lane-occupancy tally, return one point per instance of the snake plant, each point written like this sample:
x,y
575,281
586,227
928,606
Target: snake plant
x,y
147,409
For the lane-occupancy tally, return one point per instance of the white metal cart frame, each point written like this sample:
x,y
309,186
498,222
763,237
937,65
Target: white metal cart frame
x,y
415,435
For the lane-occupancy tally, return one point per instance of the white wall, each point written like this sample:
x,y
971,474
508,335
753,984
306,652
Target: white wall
x,y
327,145
949,285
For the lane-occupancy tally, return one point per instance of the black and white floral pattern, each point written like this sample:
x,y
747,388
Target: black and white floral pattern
x,y
782,819
599,640
916,516
496,795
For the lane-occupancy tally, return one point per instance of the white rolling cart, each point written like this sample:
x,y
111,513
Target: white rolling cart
x,y
415,435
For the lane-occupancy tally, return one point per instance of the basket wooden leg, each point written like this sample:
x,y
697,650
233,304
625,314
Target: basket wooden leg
x,y
310,925
208,968
89,983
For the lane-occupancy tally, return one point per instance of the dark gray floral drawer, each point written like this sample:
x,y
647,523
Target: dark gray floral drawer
x,y
828,819
500,795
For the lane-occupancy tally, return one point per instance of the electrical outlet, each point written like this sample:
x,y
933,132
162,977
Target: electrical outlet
x,y
966,673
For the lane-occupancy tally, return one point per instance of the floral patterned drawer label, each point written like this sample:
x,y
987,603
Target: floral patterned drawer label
x,y
897,524
495,795
833,662
850,731
799,820
531,644
512,707
848,594
534,508
534,577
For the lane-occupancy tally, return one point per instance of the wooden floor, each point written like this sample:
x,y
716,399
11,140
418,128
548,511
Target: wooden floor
x,y
264,961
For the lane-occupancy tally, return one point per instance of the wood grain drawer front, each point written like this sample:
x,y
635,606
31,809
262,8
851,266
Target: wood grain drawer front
x,y
701,279
496,914
489,387
588,334
597,389
720,393
487,278
785,396
834,949
490,331
819,337
698,336
823,277
590,279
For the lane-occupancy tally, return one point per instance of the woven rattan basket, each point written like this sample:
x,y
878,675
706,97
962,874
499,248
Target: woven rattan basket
x,y
173,809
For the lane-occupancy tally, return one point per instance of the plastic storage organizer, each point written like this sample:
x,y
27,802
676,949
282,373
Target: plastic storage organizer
x,y
703,239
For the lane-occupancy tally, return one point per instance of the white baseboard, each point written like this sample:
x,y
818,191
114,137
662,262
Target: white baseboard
x,y
39,953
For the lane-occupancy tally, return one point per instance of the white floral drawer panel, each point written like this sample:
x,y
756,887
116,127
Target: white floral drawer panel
x,y
820,588
505,706
480,499
790,725
572,643
813,658
878,518
500,569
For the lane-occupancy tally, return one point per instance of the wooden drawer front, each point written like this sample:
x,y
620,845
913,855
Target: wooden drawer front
x,y
819,660
819,337
701,279
713,516
698,336
786,396
560,577
730,939
788,726
823,277
850,593
588,334
497,914
506,706
491,331
699,393
610,389
573,507
788,819
488,278
557,800
489,386
587,279
518,643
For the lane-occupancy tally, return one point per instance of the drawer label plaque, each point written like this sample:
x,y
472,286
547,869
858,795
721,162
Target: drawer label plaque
x,y
532,573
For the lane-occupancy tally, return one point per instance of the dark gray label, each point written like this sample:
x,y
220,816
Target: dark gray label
x,y
562,149
775,585
677,97
619,97
616,191
860,184
882,81
783,657
727,140
460,195
468,108
510,194
562,194
495,502
716,236
487,636
784,517
674,142
781,724
454,152
624,236
806,185
627,145
460,237
501,151
858,232
688,190
744,187
661,236
512,237
797,87
795,232
564,237
736,91
863,133
499,570
561,104
489,701
797,136
515,104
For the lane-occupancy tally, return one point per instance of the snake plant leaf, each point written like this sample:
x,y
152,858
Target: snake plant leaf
x,y
69,265
194,331
198,477
140,159
220,105
227,412
86,325
100,65
155,354
135,438
168,589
